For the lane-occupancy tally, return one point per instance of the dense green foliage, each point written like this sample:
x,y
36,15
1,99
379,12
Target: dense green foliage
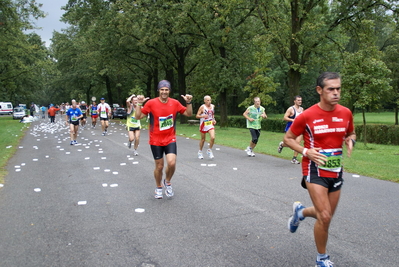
x,y
232,50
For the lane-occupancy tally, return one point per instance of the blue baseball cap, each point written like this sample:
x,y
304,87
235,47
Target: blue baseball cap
x,y
102,98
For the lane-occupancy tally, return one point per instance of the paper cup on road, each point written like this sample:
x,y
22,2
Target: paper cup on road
x,y
139,210
83,202
37,190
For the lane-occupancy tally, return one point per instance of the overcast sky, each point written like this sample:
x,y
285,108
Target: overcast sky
x,y
51,22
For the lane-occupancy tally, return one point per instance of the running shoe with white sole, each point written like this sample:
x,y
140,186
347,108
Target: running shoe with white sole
x,y
252,154
158,193
71,143
280,147
249,151
200,156
168,189
295,161
324,262
294,220
129,145
135,153
210,153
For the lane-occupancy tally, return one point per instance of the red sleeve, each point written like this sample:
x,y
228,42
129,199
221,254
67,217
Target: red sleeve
x,y
146,108
299,125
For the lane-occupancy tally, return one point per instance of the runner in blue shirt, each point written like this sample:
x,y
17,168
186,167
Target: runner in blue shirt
x,y
73,115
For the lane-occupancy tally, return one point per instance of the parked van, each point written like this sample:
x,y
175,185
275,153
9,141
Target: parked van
x,y
5,108
18,113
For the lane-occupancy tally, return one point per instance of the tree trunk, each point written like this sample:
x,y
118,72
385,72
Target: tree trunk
x,y
396,115
294,75
223,109
148,85
294,78
364,127
223,96
155,80
109,91
181,78
88,93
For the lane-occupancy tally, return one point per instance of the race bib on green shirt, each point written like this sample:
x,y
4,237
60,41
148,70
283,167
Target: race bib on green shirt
x,y
103,114
133,120
165,122
334,160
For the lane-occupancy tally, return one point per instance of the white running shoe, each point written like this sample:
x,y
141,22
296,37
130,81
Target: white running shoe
x,y
252,154
135,153
158,193
295,161
280,147
168,189
210,153
200,156
249,151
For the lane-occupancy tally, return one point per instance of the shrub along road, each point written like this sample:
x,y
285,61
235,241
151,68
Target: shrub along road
x,y
65,205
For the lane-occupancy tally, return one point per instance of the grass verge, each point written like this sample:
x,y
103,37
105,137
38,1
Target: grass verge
x,y
11,132
378,161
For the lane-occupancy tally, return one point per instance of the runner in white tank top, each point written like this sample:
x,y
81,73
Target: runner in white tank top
x,y
206,114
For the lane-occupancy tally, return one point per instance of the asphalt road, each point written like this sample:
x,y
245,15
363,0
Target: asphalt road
x,y
64,205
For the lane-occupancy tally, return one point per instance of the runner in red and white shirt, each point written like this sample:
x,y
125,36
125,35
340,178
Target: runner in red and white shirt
x,y
206,114
325,127
163,111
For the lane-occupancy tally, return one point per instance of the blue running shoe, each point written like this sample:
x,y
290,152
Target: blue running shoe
x,y
324,262
293,221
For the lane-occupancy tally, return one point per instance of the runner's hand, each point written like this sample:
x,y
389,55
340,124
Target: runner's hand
x,y
314,155
141,99
187,98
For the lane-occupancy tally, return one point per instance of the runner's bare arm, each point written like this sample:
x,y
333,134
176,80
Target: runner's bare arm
x,y
312,153
189,110
350,141
289,113
199,113
140,101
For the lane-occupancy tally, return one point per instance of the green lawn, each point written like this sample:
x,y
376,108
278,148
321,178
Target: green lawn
x,y
11,132
379,161
387,118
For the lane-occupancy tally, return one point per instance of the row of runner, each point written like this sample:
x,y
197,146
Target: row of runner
x,y
325,127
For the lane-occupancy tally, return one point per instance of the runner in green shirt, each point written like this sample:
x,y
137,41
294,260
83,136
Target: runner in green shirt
x,y
254,115
133,124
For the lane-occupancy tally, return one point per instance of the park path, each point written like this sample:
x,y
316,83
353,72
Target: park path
x,y
93,205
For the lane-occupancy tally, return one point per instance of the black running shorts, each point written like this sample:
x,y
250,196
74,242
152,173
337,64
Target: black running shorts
x,y
159,151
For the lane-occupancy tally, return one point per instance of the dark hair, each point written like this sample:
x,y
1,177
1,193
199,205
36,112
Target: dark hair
x,y
297,96
326,76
